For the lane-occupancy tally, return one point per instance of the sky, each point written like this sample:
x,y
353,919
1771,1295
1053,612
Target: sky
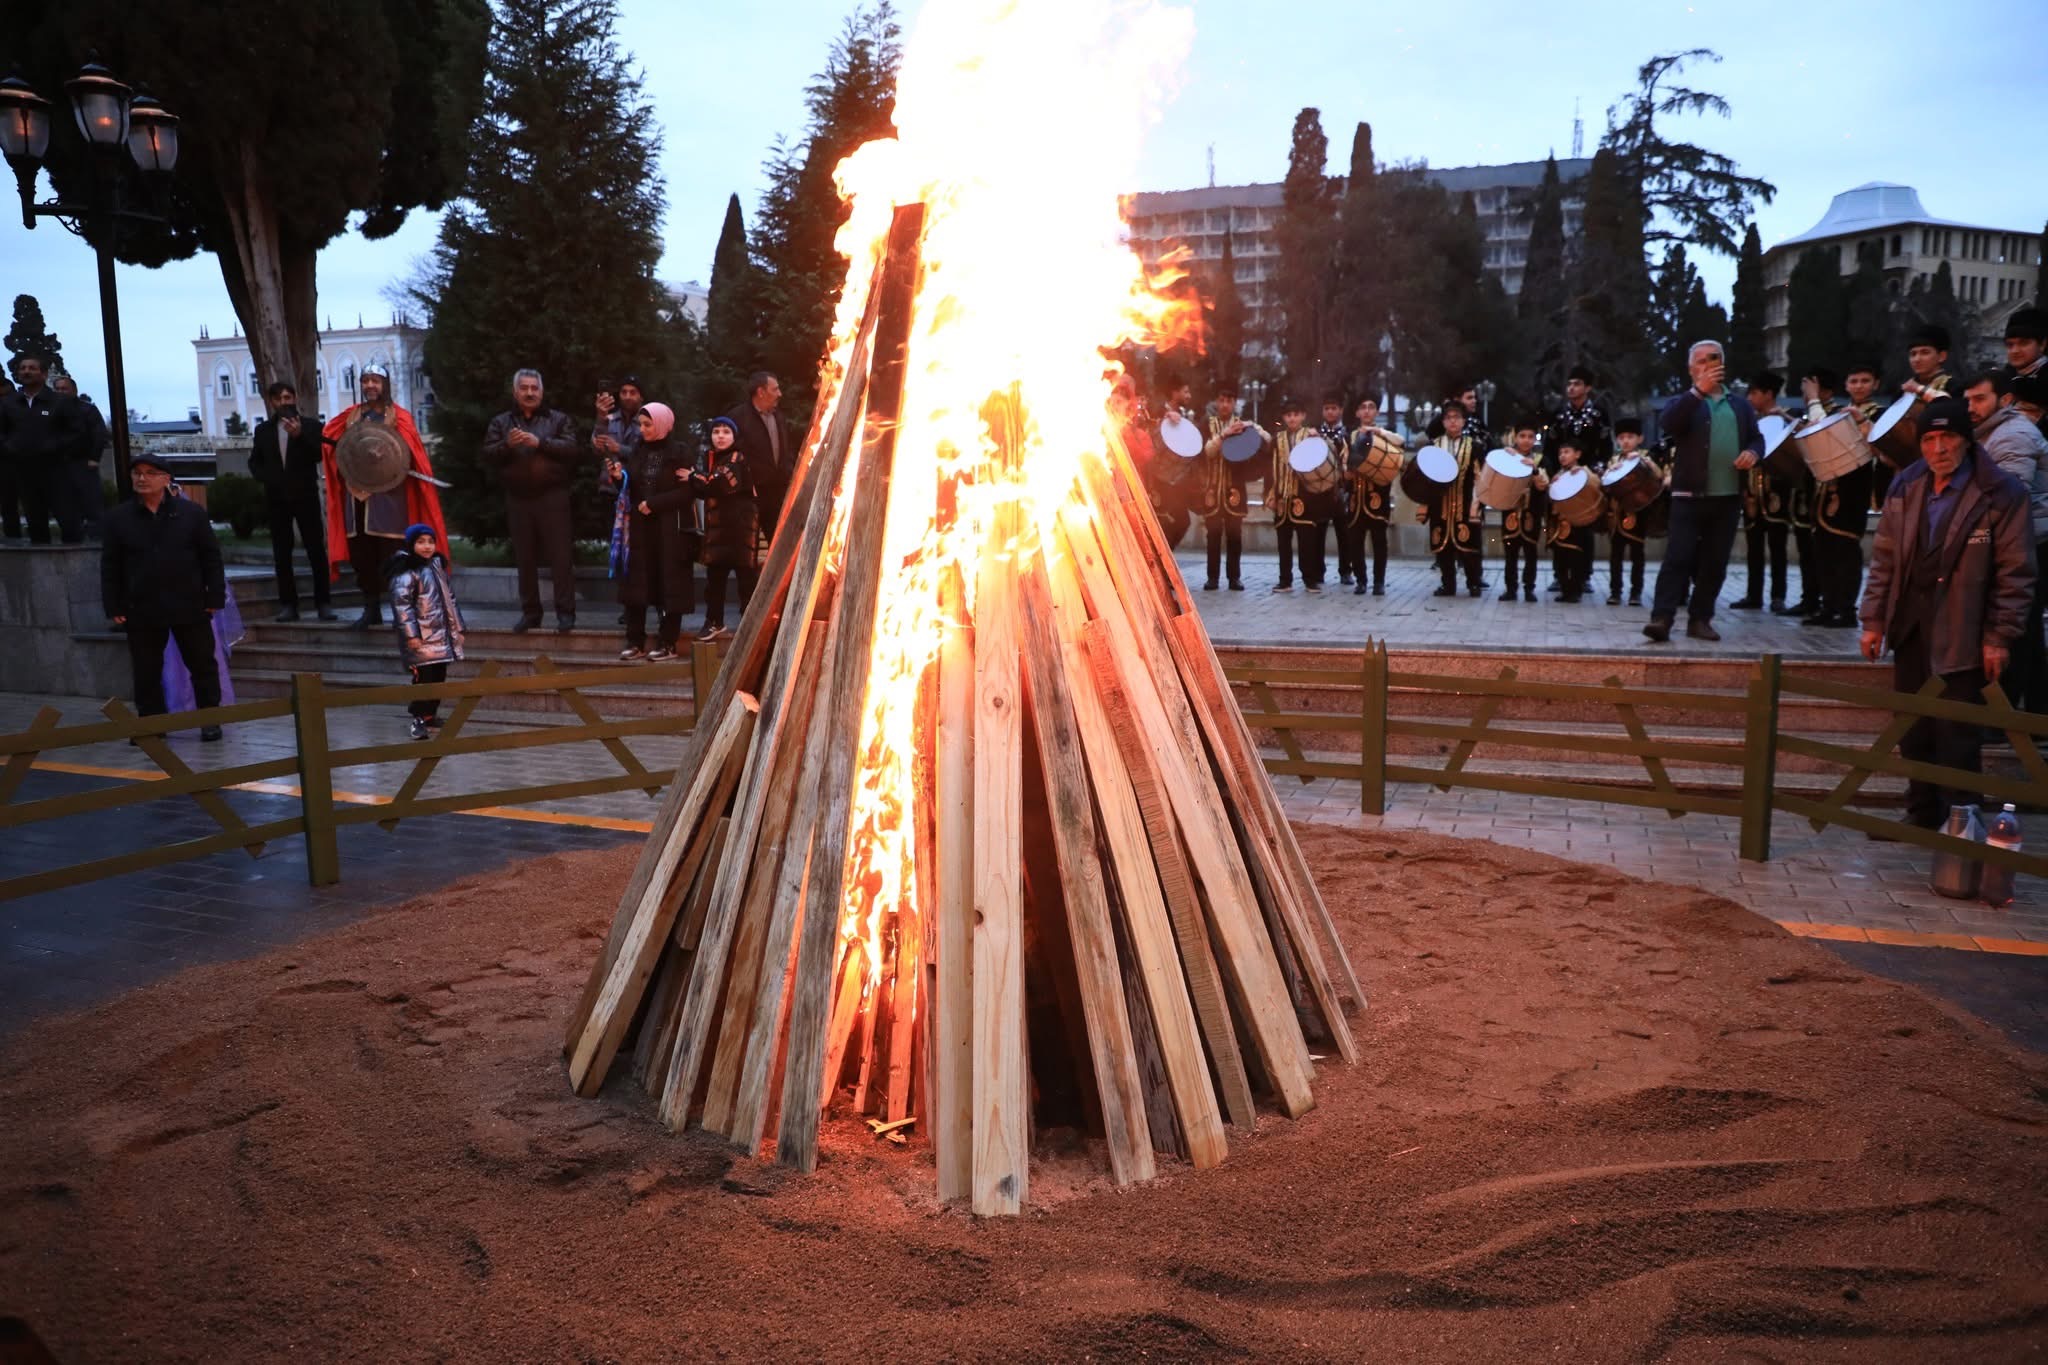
x,y
1825,97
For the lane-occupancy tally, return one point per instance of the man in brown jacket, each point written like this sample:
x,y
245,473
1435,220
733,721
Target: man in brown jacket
x,y
1951,573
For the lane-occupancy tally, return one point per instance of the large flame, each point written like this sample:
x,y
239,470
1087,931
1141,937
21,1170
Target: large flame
x,y
1018,126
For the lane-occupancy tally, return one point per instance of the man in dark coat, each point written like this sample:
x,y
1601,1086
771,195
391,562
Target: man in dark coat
x,y
44,433
285,458
534,449
764,438
82,474
1951,574
161,580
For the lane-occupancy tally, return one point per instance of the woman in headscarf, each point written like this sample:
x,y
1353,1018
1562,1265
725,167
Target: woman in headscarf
x,y
656,553
731,517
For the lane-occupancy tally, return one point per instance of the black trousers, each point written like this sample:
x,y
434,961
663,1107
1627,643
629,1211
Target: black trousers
x,y
1225,536
1766,551
714,590
1450,557
146,645
51,490
2027,681
541,533
88,499
1696,556
1518,552
1952,744
1618,548
1306,539
660,572
1352,540
1573,562
1174,526
1838,573
304,515
10,497
429,707
367,556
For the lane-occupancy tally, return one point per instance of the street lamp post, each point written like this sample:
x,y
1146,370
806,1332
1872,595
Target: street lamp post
x,y
110,117
1255,389
1486,389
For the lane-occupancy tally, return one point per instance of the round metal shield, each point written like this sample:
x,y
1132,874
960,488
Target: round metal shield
x,y
372,458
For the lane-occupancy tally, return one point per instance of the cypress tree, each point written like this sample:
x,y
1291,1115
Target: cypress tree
x,y
732,314
30,335
1305,235
1360,283
1607,325
1817,315
1746,352
1870,321
1545,289
1669,294
548,259
1226,319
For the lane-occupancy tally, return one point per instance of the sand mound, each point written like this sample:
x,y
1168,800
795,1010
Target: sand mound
x,y
1598,1115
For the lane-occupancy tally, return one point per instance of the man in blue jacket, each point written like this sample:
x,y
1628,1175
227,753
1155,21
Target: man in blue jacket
x,y
1716,441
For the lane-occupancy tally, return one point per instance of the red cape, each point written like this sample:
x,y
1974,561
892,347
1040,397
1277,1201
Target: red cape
x,y
422,500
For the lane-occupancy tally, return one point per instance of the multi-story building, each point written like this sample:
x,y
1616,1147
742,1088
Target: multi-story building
x,y
229,383
1249,214
1995,269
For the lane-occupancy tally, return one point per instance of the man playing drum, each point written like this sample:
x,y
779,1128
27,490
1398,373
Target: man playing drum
x,y
1521,526
1372,502
1225,488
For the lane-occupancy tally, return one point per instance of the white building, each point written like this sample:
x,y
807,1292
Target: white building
x,y
1994,268
692,297
229,383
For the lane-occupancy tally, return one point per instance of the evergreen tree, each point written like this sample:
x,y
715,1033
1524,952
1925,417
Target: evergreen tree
x,y
1871,331
1670,293
848,103
1306,238
548,259
1606,325
1359,282
1746,321
30,335
732,314
1701,320
1817,310
1226,318
1934,302
1699,193
1542,303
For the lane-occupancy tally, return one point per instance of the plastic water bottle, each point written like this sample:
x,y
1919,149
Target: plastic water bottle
x,y
1957,874
1996,885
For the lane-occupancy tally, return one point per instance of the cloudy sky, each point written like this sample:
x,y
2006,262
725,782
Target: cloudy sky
x,y
1825,97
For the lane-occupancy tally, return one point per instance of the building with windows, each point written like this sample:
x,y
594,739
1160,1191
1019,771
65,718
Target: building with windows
x,y
1995,269
230,385
1199,219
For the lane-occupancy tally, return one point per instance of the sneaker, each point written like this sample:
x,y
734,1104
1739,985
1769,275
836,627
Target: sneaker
x,y
1445,591
660,654
1359,589
1800,608
718,633
524,624
1282,586
1696,629
1635,599
1237,585
632,654
1508,596
435,722
210,734
564,624
1209,586
420,729
1312,587
1345,579
1379,590
1614,598
1659,629
1747,604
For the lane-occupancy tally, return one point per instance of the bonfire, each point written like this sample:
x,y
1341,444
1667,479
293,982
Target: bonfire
x,y
970,834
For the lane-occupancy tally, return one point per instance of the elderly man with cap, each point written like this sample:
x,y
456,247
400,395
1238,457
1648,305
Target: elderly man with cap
x,y
161,580
533,448
1951,575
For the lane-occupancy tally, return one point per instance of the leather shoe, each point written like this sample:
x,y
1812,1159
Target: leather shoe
x,y
564,624
1659,629
1445,592
524,624
1209,586
324,613
1697,629
1799,608
1747,604
209,733
370,617
286,614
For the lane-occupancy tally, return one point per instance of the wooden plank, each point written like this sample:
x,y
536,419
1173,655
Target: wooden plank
x,y
143,789
585,712
951,1109
78,874
790,569
850,981
2017,790
1269,706
1482,716
1232,741
511,741
1664,698
1887,740
663,1001
1372,740
108,732
850,649
372,811
1571,791
1883,699
690,923
620,995
2033,864
1075,844
1336,680
505,685
19,763
1170,730
1148,924
1654,766
1468,735
207,799
1760,761
416,780
739,1097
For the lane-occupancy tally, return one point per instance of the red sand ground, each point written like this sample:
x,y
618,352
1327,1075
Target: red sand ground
x,y
1597,1116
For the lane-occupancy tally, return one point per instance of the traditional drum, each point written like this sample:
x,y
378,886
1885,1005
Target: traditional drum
x,y
1182,441
1377,457
1781,452
1576,498
1244,446
1633,484
1834,446
1427,476
1896,434
1314,464
1503,481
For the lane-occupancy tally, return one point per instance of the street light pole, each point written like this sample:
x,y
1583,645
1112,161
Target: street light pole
x,y
117,379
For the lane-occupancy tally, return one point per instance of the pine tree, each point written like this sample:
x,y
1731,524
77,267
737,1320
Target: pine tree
x,y
1306,238
1359,281
1817,311
1746,353
732,314
548,258
1700,319
1699,193
1606,325
31,336
1670,292
1541,305
848,103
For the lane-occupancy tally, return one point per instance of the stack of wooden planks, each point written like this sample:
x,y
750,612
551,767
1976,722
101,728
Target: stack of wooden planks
x,y
1116,929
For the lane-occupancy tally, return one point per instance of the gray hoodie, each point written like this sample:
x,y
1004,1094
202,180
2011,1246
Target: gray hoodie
x,y
2021,451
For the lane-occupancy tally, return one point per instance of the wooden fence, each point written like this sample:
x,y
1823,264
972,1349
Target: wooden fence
x,y
308,771
1756,795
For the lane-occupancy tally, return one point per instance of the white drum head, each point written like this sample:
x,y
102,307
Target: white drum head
x,y
1569,484
1900,407
1310,453
1508,463
1437,464
1775,429
1620,471
1183,438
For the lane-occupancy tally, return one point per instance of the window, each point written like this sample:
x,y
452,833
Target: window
x,y
348,378
227,384
319,381
1897,241
255,387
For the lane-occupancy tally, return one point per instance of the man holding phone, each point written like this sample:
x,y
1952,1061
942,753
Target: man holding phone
x,y
285,458
1715,442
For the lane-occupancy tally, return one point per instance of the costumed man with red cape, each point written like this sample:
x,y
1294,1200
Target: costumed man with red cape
x,y
364,530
